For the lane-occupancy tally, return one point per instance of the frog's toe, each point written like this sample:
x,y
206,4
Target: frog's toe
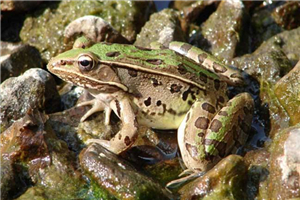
x,y
181,181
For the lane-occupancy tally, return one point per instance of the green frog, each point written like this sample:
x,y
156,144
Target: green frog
x,y
175,87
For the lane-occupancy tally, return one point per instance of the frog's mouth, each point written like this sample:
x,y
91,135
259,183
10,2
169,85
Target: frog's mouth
x,y
80,79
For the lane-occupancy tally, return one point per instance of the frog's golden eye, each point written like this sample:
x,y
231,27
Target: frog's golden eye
x,y
85,63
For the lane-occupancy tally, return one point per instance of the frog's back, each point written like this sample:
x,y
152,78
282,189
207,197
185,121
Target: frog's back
x,y
163,61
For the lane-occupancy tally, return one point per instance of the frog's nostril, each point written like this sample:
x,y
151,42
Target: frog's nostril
x,y
62,62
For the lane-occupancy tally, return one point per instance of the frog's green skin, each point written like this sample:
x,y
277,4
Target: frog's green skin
x,y
161,89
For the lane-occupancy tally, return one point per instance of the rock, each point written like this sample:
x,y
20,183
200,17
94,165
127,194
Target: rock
x,y
263,24
286,91
267,66
35,89
191,12
284,180
126,17
46,161
17,58
117,176
17,6
163,27
287,15
258,172
223,28
225,181
95,29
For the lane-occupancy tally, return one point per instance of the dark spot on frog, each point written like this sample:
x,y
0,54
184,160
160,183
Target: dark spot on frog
x,y
186,93
190,102
155,61
221,99
181,69
113,54
223,113
202,57
202,123
185,48
153,113
127,141
215,126
203,77
155,82
217,84
118,108
147,102
158,103
219,68
120,136
209,108
132,72
171,111
201,135
175,88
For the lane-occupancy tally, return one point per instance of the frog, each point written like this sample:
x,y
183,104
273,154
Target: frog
x,y
177,86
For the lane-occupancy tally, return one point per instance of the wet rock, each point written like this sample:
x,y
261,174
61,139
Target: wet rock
x,y
95,29
17,6
118,177
222,31
127,17
287,15
225,181
17,58
263,24
46,161
35,89
267,66
284,180
258,172
287,41
163,27
191,12
286,91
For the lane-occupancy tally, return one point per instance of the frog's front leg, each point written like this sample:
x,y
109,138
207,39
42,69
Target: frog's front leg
x,y
206,135
125,138
97,106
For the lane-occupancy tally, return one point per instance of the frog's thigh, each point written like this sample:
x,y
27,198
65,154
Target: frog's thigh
x,y
228,130
192,131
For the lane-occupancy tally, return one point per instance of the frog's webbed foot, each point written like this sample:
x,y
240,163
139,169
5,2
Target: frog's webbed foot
x,y
97,106
191,175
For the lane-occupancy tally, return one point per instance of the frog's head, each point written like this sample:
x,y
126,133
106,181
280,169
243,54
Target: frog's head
x,y
83,67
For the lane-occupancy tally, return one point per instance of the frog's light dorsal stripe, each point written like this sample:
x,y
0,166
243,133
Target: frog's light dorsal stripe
x,y
119,85
138,68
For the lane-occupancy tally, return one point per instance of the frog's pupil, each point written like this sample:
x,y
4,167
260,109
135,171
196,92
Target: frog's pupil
x,y
85,63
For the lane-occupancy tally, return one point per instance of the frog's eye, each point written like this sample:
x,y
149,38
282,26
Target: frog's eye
x,y
86,63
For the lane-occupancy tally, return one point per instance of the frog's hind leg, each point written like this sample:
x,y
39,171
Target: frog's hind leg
x,y
208,134
192,131
228,130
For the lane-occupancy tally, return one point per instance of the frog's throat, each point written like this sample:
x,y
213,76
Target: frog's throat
x,y
92,81
147,70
